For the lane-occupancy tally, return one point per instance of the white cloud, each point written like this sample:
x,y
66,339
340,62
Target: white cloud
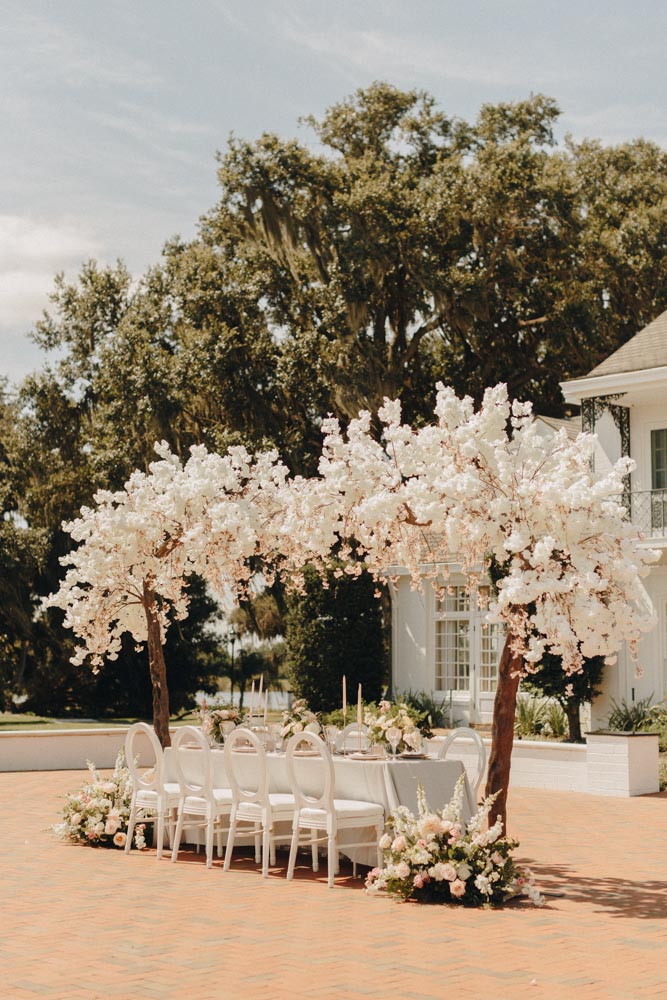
x,y
31,252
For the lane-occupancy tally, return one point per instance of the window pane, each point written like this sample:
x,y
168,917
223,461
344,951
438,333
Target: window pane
x,y
491,646
659,459
455,601
452,655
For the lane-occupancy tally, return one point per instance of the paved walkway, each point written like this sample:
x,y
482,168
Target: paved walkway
x,y
82,923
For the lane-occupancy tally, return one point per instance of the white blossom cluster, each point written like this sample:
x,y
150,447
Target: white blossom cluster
x,y
475,485
478,485
207,516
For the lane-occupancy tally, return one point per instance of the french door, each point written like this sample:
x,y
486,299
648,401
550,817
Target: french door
x,y
467,652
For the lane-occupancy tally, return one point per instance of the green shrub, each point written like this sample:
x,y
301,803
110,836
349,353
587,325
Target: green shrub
x,y
331,631
626,718
433,712
555,721
530,717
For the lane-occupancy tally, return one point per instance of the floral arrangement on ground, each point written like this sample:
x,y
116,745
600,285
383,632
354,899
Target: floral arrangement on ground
x,y
298,719
436,857
393,721
98,813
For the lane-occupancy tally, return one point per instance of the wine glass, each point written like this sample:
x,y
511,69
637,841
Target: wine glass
x,y
331,734
394,735
275,731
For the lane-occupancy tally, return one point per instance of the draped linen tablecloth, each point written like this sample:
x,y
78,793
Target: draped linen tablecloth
x,y
388,783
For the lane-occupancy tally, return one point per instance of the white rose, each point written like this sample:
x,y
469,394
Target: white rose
x,y
384,842
457,888
402,870
463,870
75,819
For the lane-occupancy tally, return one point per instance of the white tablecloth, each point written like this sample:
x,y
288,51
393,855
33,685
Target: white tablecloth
x,y
388,783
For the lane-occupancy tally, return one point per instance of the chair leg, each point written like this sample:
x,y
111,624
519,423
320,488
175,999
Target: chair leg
x,y
258,843
209,841
314,851
292,851
160,830
177,835
266,847
331,860
130,827
231,837
272,852
171,825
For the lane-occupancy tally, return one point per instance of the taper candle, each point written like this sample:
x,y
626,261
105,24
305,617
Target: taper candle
x,y
252,700
266,705
344,700
359,720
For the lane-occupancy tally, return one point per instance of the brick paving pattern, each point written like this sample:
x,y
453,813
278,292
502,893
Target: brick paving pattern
x,y
77,922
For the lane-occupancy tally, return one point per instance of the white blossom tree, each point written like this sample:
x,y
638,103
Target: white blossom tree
x,y
138,547
483,486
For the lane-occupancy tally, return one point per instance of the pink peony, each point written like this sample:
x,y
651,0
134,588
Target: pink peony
x,y
399,844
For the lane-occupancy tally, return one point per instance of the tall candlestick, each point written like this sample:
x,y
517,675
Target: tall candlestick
x,y
266,706
252,700
344,701
359,723
259,697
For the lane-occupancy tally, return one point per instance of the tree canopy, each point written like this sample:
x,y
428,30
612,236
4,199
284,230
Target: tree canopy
x,y
402,246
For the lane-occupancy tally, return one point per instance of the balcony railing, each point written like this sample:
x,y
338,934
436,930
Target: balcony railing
x,y
648,511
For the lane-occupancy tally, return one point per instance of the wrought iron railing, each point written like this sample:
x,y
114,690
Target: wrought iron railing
x,y
648,511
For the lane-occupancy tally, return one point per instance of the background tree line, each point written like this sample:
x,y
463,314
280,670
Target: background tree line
x,y
404,247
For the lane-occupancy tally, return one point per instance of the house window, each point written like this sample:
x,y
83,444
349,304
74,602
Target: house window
x,y
467,648
452,641
659,459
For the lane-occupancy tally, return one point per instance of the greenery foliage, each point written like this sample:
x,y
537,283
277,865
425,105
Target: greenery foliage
x,y
334,630
629,718
401,247
570,691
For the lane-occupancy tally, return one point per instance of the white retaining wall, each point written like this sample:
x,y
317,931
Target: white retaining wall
x,y
62,749
621,764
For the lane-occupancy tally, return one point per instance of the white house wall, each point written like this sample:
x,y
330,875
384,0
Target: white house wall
x,y
409,655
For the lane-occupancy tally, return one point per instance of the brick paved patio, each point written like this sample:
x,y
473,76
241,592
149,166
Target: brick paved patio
x,y
84,923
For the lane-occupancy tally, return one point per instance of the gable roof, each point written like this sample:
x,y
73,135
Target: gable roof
x,y
572,425
647,349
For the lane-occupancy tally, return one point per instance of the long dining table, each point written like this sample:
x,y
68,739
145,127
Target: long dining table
x,y
387,782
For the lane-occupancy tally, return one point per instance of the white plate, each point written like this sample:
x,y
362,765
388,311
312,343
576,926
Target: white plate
x,y
413,756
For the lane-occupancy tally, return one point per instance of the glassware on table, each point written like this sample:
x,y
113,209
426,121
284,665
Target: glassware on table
x,y
275,734
394,735
331,735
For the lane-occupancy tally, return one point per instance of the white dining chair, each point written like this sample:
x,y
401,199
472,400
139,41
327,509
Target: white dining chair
x,y
325,812
467,734
200,803
353,737
152,798
252,802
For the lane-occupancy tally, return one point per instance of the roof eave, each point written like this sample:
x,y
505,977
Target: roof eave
x,y
577,389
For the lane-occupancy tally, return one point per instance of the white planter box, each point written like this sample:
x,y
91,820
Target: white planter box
x,y
622,763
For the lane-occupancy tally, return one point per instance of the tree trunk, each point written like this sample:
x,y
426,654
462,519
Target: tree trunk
x,y
157,668
573,721
502,737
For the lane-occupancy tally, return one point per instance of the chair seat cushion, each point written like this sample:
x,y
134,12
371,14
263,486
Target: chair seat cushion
x,y
147,797
348,809
282,804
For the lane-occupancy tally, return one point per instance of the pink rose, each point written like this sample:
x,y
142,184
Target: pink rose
x,y
418,881
399,844
457,888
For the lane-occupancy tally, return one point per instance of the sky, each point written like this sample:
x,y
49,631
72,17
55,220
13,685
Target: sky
x,y
111,113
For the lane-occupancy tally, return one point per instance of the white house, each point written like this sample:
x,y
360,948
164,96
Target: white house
x,y
443,646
